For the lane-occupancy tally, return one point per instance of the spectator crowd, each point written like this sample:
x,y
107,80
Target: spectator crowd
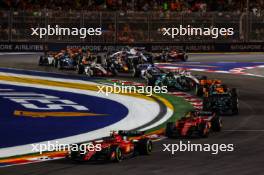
x,y
135,5
133,27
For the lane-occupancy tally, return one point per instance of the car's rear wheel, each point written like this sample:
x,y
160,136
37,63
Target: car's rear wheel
x,y
145,147
234,102
185,58
170,130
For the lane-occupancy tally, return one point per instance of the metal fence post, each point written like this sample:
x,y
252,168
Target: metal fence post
x,y
45,23
115,27
148,19
10,25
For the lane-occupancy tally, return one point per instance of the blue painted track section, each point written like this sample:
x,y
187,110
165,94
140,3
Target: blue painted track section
x,y
19,130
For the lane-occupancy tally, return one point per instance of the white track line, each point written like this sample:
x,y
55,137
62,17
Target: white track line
x,y
244,130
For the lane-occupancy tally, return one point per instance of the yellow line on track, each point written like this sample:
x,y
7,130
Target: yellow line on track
x,y
89,87
54,114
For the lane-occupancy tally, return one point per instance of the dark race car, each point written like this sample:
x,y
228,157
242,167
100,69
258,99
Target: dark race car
x,y
182,81
128,61
65,61
92,66
116,147
221,99
151,73
194,124
172,55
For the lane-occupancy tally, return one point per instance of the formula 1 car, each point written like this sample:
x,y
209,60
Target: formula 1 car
x,y
194,124
91,67
180,80
131,53
116,147
171,55
65,62
94,69
221,99
91,64
128,61
151,73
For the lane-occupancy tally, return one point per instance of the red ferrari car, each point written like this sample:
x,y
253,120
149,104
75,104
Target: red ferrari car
x,y
193,124
116,147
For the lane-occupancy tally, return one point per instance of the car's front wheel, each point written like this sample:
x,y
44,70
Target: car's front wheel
x,y
203,130
217,124
80,69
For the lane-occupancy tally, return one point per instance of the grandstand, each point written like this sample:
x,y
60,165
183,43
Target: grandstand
x,y
132,21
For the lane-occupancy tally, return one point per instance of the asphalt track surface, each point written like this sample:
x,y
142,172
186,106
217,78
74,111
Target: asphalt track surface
x,y
245,131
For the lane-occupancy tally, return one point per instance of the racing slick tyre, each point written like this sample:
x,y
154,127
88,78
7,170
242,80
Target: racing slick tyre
x,y
89,73
116,154
151,82
136,72
198,90
160,84
55,63
114,71
80,69
217,124
41,61
59,66
203,130
171,131
234,106
145,147
184,58
224,87
206,104
234,102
